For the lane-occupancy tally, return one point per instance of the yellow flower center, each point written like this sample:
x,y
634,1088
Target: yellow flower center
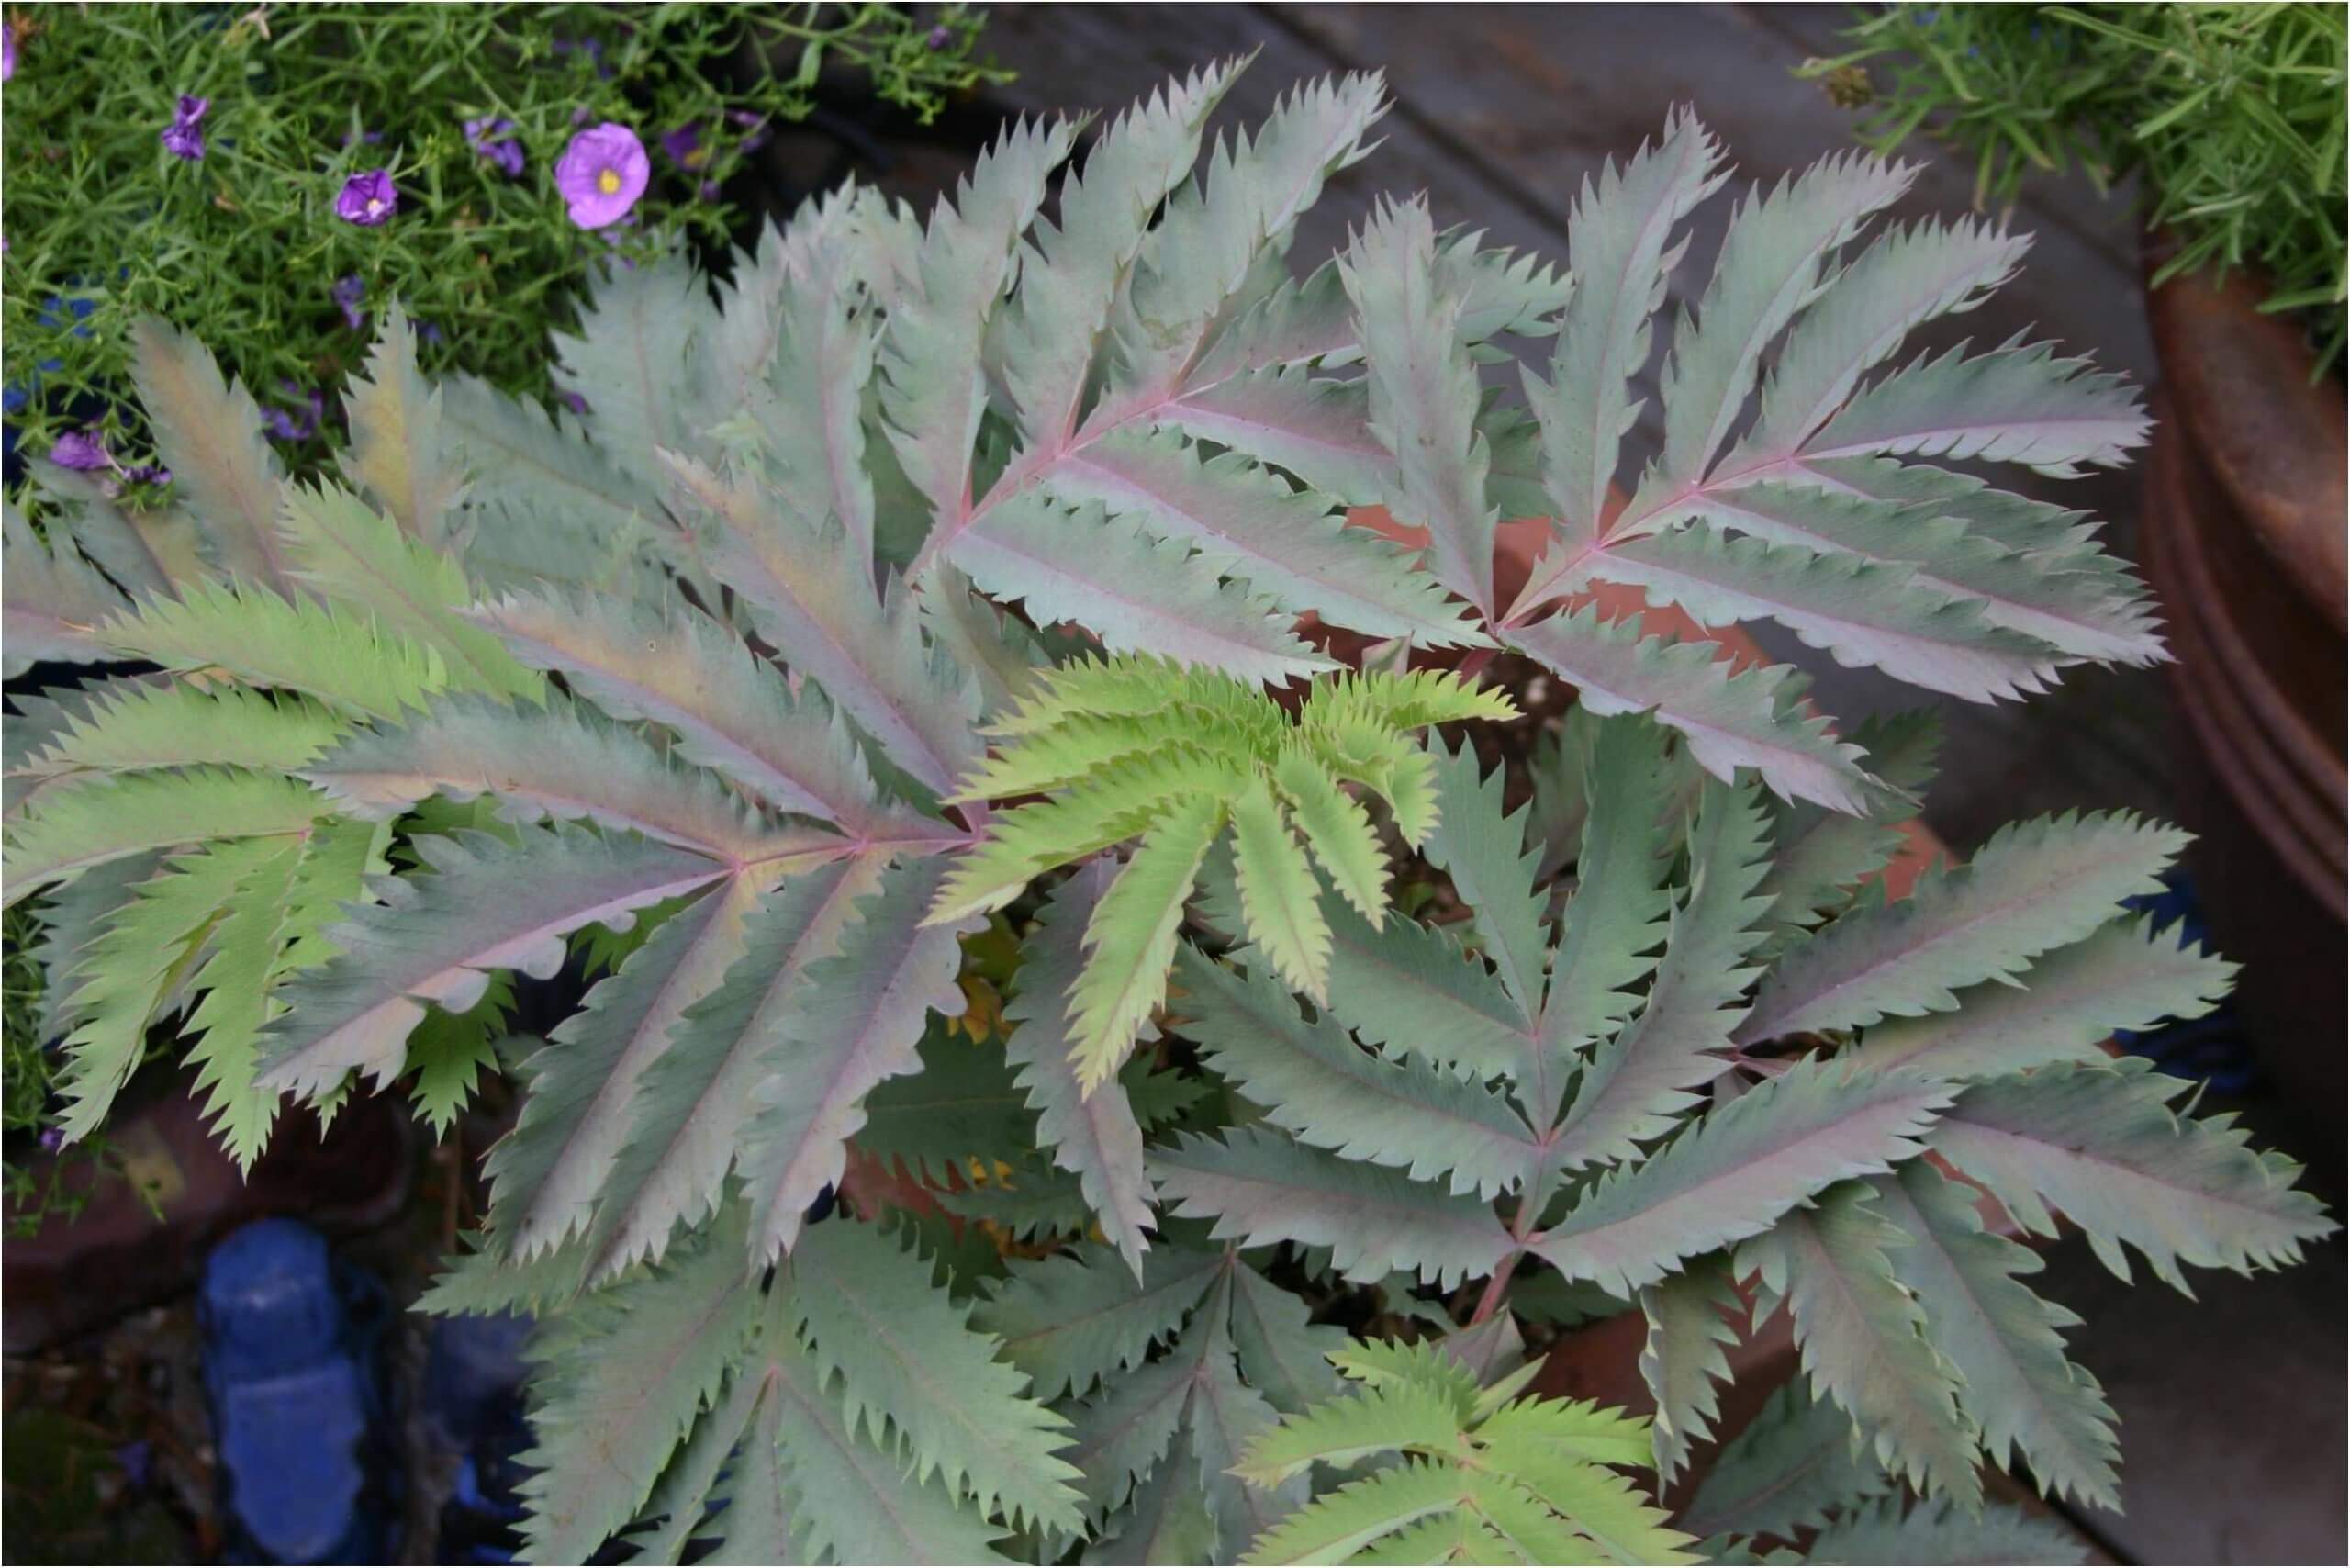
x,y
608,181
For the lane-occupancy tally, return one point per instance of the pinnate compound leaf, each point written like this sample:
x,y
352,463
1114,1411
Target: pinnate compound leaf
x,y
856,1019
2036,886
1071,1321
1280,898
1130,938
1341,1523
2125,975
555,759
1746,720
548,1173
1785,1470
133,725
1638,1085
344,659
1621,249
819,608
1134,592
139,950
483,903
1484,854
1865,613
729,709
1368,1421
622,1374
1092,1135
1261,1187
64,834
207,431
2103,1146
917,1378
1330,1094
1864,1338
1734,1171
1424,396
1778,242
933,393
53,600
1945,1532
2015,1385
1681,1359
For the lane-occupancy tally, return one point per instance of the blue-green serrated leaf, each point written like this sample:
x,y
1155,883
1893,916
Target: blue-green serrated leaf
x,y
1689,1316
2016,1384
1786,1469
1865,1337
1072,1320
1736,1169
2036,886
1093,1135
1636,1085
1261,1187
2125,975
856,1019
2103,1146
1330,1094
915,1376
483,903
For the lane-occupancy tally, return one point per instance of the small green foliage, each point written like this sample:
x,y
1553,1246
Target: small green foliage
x,y
1524,1478
2232,115
242,247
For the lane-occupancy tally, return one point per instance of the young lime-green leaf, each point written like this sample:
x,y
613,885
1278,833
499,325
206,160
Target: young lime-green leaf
x,y
1280,898
1130,940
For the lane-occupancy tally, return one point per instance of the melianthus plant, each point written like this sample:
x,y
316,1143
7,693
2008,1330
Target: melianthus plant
x,y
698,688
468,107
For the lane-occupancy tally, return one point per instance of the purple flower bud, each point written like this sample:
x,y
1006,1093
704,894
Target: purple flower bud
x,y
183,137
602,174
302,422
363,138
348,293
709,190
428,332
51,1140
368,200
572,401
939,38
684,146
490,138
79,450
7,52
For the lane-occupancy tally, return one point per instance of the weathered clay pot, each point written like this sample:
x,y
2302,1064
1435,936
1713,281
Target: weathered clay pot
x,y
2243,540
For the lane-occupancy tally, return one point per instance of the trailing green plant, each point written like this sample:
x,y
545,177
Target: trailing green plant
x,y
231,229
2232,116
698,689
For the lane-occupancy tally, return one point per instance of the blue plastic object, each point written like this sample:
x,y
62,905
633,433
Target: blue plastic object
x,y
473,1407
2211,1049
292,1371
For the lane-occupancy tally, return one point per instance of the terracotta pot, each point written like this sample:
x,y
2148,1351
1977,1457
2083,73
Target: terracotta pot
x,y
2243,540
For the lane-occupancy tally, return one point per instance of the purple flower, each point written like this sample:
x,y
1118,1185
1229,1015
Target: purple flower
x,y
79,450
51,1138
348,293
602,174
7,52
302,423
709,190
489,138
758,126
939,38
684,146
368,200
579,113
183,137
572,401
150,474
427,332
